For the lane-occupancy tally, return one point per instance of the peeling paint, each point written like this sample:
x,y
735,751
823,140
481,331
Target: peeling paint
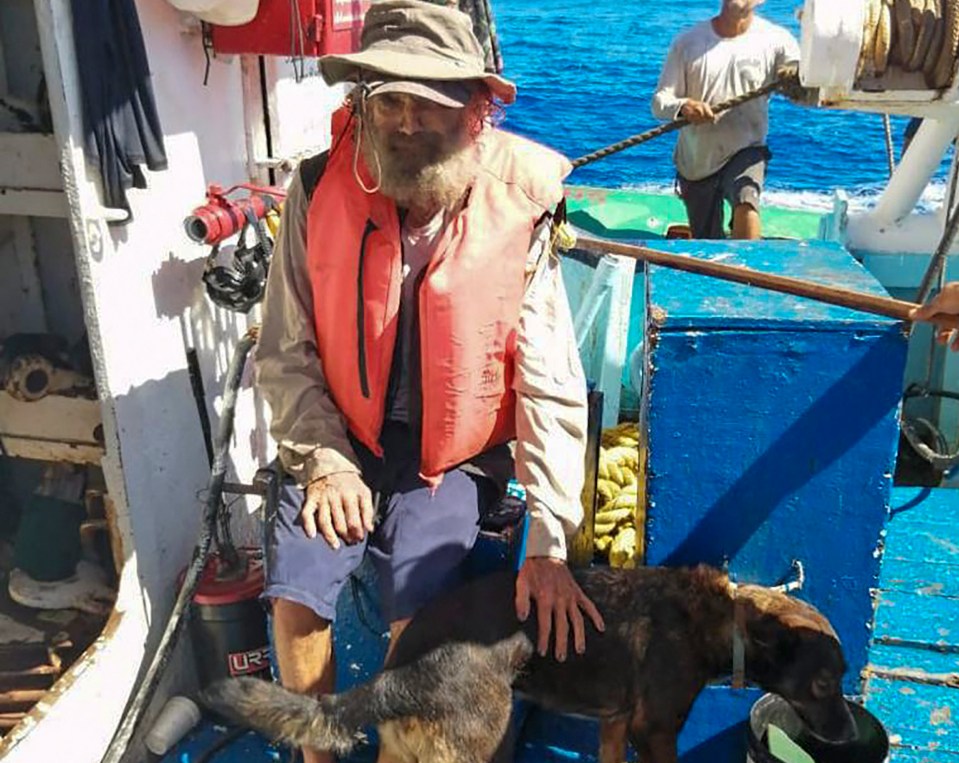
x,y
940,716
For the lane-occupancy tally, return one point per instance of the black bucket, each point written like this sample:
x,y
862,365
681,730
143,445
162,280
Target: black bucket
x,y
228,626
870,746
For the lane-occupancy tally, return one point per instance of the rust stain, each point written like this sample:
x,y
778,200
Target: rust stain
x,y
657,314
116,542
940,716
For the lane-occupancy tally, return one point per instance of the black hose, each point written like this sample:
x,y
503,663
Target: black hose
x,y
940,459
134,712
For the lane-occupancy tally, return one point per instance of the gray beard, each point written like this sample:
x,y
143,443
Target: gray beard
x,y
411,184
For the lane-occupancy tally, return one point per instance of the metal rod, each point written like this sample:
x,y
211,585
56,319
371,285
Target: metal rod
x,y
893,308
239,488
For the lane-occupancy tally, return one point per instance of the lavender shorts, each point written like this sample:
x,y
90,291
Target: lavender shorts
x,y
417,547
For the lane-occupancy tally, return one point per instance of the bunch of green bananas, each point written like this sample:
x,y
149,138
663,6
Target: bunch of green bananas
x,y
621,496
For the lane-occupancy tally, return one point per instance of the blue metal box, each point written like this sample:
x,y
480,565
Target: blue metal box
x,y
772,425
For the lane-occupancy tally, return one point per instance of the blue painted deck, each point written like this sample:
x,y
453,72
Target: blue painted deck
x,y
918,603
917,628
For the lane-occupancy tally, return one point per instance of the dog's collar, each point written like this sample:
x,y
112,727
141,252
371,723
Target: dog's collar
x,y
739,643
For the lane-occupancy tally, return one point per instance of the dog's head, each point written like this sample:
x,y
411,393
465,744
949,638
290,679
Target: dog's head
x,y
793,651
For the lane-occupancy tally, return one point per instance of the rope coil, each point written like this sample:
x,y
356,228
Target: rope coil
x,y
912,35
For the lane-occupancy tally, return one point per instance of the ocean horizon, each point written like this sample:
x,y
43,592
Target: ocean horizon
x,y
586,71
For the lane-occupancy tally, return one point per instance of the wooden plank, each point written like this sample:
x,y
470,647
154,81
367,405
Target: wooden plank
x,y
917,716
908,755
30,160
53,428
920,574
922,549
918,619
9,720
254,118
892,656
20,697
21,292
33,203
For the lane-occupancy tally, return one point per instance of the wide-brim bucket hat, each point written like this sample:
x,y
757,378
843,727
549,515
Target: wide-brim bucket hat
x,y
419,41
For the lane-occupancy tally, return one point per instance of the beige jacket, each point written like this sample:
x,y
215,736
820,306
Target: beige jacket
x,y
550,385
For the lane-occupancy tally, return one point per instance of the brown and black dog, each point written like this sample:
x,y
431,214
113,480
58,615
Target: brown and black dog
x,y
445,695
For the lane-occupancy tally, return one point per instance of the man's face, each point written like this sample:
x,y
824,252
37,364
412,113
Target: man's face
x,y
419,146
412,133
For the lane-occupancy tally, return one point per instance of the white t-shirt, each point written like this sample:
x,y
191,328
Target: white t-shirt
x,y
703,66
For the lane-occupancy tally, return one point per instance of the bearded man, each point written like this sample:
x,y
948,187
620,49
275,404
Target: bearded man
x,y
723,158
417,347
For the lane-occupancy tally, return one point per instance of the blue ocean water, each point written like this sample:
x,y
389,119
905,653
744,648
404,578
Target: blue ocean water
x,y
586,70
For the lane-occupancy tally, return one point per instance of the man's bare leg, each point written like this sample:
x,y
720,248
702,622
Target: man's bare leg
x,y
396,628
746,223
304,651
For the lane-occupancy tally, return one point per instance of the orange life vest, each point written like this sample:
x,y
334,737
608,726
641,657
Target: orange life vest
x,y
469,297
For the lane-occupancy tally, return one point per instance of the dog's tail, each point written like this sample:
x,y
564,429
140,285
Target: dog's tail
x,y
282,715
428,687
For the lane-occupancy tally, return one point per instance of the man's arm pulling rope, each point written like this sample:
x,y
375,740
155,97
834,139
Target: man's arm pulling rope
x,y
787,82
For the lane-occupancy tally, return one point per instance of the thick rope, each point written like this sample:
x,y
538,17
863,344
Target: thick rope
x,y
781,83
913,35
890,151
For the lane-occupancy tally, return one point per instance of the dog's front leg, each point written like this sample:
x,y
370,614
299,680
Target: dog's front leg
x,y
657,747
612,740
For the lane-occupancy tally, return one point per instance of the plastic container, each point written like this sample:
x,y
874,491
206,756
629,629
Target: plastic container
x,y
228,627
177,717
871,746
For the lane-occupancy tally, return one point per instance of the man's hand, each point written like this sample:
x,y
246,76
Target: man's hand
x,y
339,506
558,603
697,112
943,311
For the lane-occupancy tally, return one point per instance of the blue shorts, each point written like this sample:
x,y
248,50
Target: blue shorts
x,y
417,546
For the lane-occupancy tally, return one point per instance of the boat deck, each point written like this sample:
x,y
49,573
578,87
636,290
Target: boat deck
x,y
912,680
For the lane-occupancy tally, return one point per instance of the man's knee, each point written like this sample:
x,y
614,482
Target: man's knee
x,y
296,619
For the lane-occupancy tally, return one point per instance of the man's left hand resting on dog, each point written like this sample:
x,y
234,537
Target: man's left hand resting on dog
x,y
560,602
